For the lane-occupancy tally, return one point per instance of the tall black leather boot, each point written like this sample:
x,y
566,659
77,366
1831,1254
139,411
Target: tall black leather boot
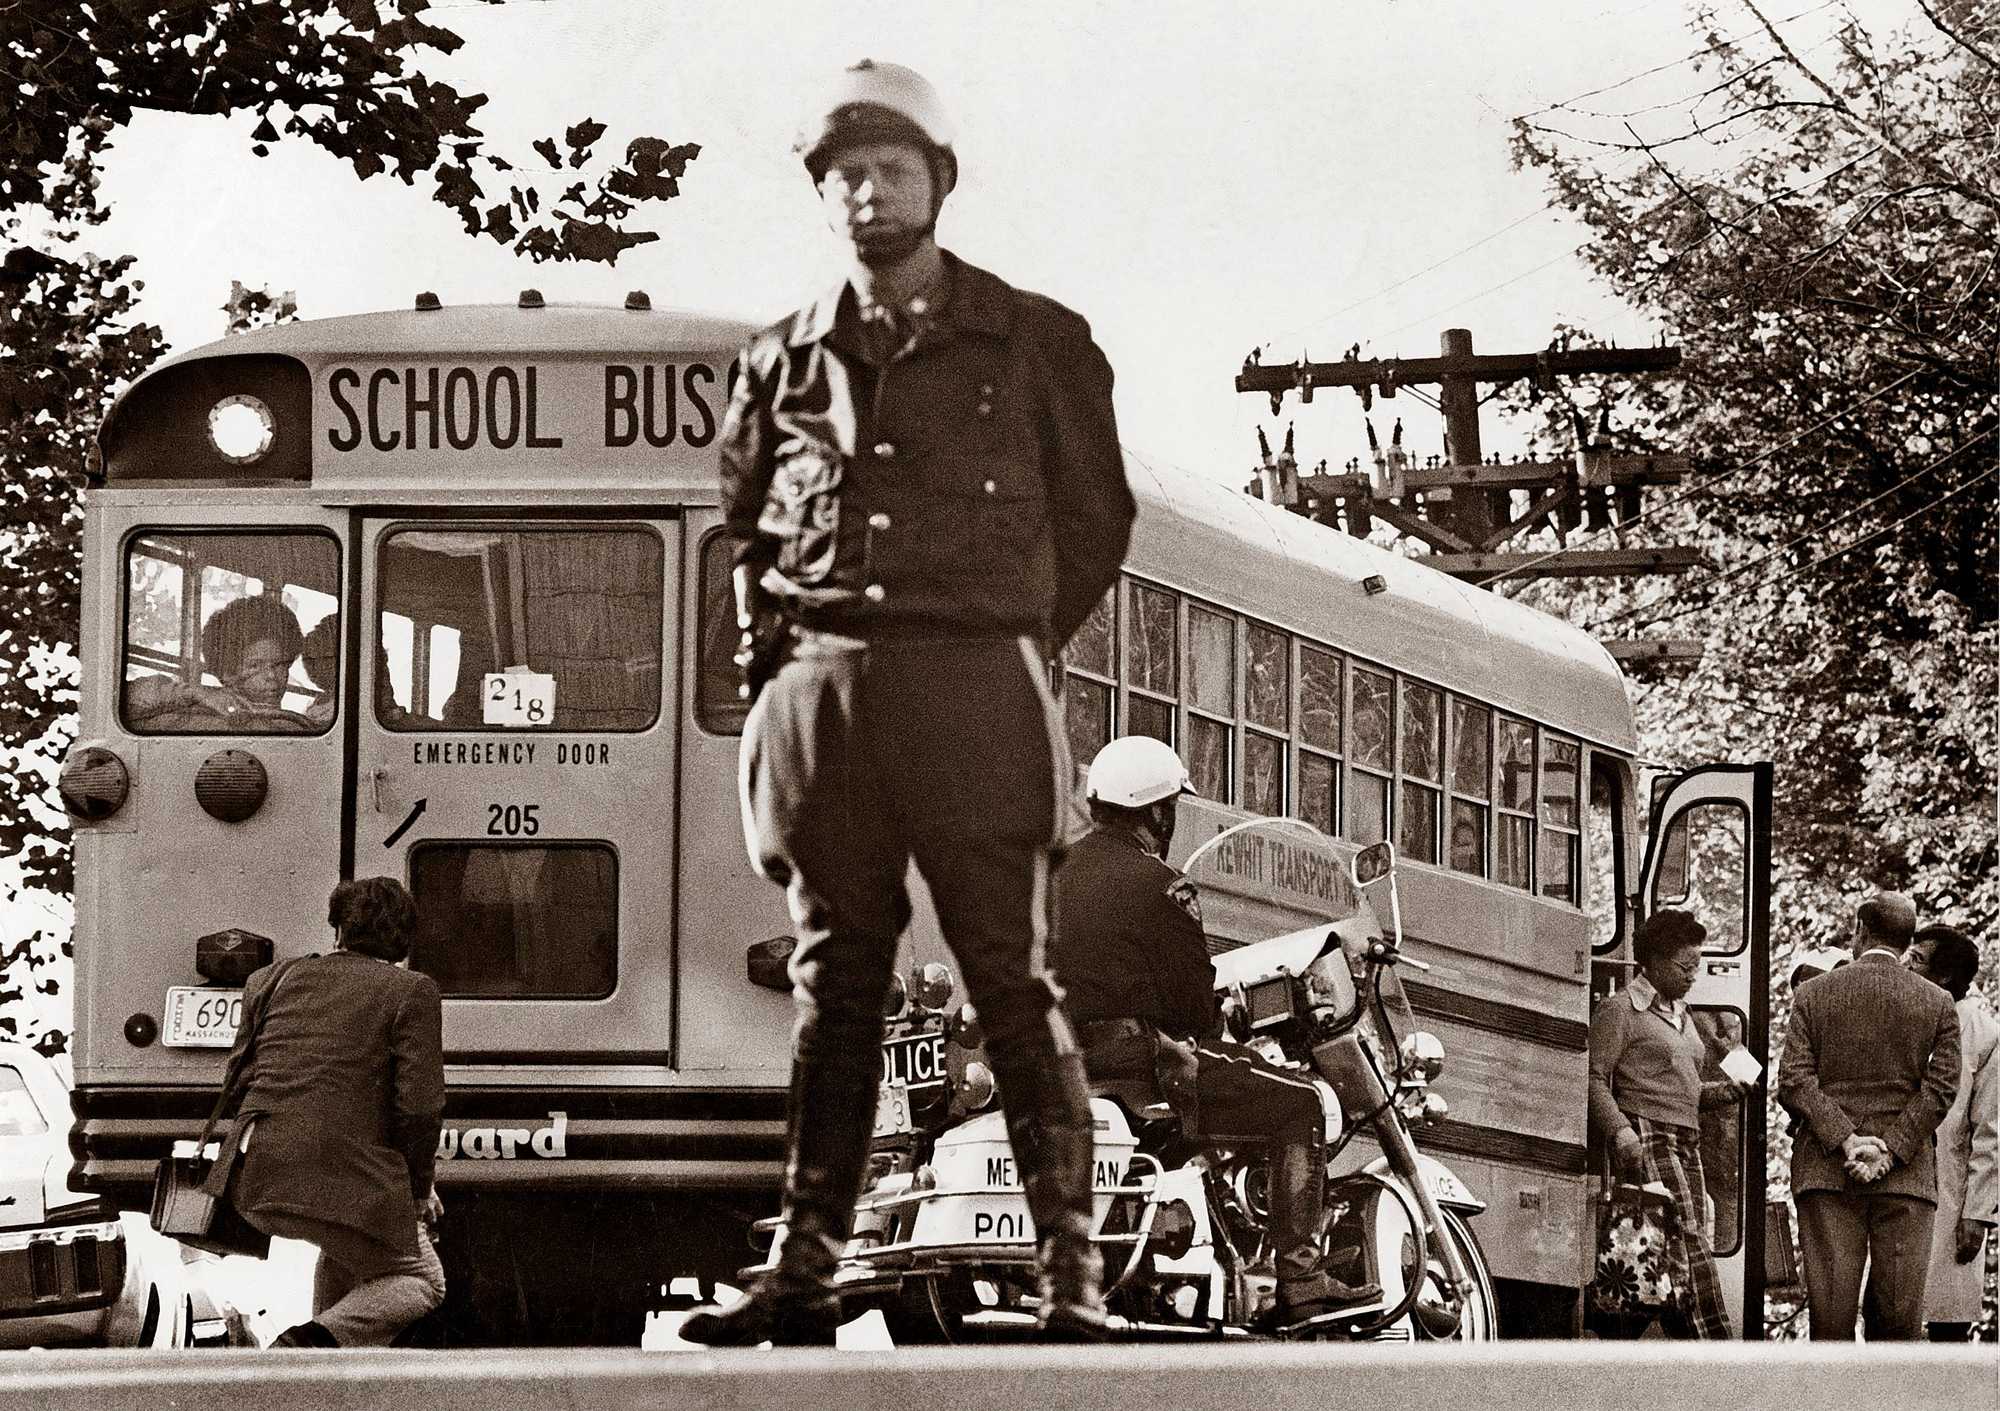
x,y
793,1304
1298,1202
1047,1102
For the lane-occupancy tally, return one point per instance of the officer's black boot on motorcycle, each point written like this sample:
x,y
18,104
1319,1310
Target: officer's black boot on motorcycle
x,y
1047,1103
793,1304
1298,1199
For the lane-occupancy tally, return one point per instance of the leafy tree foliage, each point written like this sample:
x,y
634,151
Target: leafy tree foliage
x,y
1820,234
346,75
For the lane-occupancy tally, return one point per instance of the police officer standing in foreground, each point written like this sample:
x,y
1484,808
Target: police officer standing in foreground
x,y
922,476
1131,956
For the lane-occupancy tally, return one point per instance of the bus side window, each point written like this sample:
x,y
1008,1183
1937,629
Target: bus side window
x,y
231,634
1604,861
1089,690
717,706
1152,664
1319,739
1514,863
1557,845
1471,784
1371,743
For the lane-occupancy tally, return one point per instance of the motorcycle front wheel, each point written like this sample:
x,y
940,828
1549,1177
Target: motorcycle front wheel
x,y
1396,1245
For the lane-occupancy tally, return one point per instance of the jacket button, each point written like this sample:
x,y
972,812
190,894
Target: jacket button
x,y
986,409
874,592
991,487
878,520
885,449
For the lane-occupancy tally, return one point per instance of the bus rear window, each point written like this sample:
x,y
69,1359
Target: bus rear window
x,y
516,920
231,634
580,605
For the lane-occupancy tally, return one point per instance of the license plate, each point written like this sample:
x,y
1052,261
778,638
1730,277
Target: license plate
x,y
201,1018
916,1061
892,1111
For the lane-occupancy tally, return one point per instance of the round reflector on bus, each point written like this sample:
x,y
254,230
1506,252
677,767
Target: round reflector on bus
x,y
94,783
231,785
241,428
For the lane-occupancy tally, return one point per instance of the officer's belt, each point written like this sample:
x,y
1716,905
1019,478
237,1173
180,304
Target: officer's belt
x,y
1104,1031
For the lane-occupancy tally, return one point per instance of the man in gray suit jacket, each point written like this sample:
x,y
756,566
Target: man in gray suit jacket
x,y
1870,1065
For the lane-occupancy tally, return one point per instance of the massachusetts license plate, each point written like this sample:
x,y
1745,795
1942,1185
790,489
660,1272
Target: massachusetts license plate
x,y
916,1061
892,1111
201,1018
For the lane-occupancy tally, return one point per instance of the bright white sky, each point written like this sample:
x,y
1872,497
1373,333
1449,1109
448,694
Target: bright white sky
x,y
1195,179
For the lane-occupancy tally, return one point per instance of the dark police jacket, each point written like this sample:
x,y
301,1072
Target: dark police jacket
x,y
1128,939
973,483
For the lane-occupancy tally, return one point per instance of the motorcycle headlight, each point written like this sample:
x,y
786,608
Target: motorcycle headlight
x,y
896,998
1422,1055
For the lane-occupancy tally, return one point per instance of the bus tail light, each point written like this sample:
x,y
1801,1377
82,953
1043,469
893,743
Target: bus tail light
x,y
231,785
94,783
229,957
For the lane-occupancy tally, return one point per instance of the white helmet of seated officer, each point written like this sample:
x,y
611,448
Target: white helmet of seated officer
x,y
1135,771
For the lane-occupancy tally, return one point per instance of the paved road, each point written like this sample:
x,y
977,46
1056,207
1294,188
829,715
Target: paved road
x,y
1506,1377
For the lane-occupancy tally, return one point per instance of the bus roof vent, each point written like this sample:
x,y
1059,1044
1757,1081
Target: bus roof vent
x,y
428,301
531,298
638,299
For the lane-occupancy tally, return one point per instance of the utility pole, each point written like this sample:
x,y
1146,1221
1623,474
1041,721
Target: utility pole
x,y
1460,508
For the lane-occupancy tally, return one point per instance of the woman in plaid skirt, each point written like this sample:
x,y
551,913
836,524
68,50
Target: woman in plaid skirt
x,y
1646,1099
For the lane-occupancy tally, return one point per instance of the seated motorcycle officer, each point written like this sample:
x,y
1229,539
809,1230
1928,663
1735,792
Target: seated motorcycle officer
x,y
1130,953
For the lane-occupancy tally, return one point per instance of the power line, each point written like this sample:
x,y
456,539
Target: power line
x,y
1720,44
1700,484
1794,542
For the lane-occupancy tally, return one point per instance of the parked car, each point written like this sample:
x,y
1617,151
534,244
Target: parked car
x,y
73,1271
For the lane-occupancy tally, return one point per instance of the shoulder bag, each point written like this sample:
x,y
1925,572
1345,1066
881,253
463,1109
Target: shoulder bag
x,y
190,1203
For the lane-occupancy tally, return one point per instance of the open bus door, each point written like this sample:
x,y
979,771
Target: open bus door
x,y
1708,850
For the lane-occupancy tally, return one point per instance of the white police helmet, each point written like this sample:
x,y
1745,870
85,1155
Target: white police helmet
x,y
876,102
1134,771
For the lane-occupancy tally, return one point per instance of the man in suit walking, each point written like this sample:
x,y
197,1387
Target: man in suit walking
x,y
1870,1066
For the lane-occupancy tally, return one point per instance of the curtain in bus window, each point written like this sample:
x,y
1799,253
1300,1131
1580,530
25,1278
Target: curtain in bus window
x,y
583,606
231,634
516,921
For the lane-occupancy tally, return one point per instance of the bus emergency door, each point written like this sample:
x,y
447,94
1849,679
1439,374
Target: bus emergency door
x,y
1708,851
515,764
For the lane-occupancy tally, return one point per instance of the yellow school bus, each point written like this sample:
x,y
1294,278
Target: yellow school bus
x,y
440,594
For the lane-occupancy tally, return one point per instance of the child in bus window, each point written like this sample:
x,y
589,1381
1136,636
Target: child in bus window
x,y
248,645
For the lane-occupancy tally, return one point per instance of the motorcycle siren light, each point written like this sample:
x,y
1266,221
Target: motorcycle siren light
x,y
976,1088
1134,771
241,428
931,985
1436,1109
963,1027
1422,1055
896,998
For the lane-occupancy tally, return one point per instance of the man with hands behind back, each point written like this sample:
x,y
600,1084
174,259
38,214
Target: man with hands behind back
x,y
1870,1066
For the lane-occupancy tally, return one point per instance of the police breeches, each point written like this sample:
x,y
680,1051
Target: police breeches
x,y
861,756
1243,1094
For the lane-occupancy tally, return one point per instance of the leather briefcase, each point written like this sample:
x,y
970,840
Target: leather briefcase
x,y
184,1210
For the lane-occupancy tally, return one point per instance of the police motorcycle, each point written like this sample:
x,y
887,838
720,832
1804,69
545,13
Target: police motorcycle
x,y
943,1246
